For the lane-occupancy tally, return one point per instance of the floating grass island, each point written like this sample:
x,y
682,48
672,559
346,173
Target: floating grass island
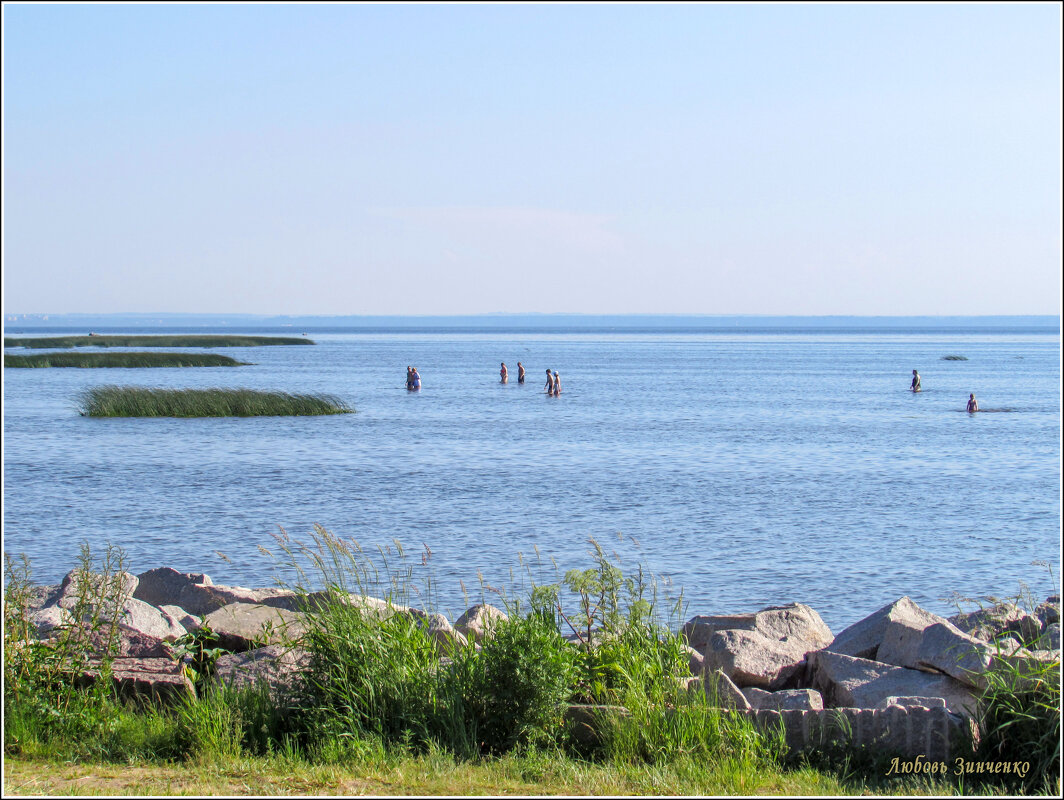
x,y
199,340
954,358
121,360
135,401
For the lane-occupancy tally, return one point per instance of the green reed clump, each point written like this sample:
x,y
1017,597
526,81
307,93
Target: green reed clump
x,y
121,360
197,340
133,401
954,358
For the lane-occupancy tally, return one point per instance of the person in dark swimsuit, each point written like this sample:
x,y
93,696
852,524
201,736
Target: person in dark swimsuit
x,y
409,377
916,381
549,388
520,373
415,380
973,406
503,374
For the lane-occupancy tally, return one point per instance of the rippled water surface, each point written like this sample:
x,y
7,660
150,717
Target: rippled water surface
x,y
749,469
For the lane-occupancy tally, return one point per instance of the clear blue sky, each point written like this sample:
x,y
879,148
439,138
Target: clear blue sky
x,y
461,159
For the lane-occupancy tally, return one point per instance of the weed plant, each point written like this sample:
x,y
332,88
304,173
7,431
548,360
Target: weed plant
x,y
204,340
121,360
1018,709
47,692
134,401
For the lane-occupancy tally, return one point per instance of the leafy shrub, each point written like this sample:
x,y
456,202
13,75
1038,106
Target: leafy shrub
x,y
512,692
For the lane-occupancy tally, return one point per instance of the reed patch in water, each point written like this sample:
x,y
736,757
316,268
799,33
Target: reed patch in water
x,y
135,401
198,340
121,360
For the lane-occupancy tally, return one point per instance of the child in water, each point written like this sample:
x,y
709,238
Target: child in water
x,y
557,384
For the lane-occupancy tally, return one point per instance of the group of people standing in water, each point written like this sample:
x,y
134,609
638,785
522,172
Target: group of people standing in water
x,y
553,387
554,383
413,379
973,405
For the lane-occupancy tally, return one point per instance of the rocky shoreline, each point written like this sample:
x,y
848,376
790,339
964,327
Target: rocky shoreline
x,y
905,679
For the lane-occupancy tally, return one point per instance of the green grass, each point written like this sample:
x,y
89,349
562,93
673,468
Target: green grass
x,y
134,401
198,340
121,360
378,712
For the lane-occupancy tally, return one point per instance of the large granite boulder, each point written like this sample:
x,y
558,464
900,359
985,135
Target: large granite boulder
x,y
785,700
275,666
722,691
196,594
92,591
862,639
478,622
1050,640
159,679
43,621
937,648
751,659
910,702
438,628
998,620
795,623
141,617
244,626
1048,612
848,682
696,662
183,618
101,601
765,649
164,586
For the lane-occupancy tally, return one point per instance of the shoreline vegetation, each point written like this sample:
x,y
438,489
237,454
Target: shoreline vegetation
x,y
362,695
194,340
121,360
135,401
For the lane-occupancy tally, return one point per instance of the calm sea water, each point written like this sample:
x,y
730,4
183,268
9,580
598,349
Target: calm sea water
x,y
747,468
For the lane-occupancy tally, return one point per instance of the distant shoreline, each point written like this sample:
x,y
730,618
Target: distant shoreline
x,y
520,323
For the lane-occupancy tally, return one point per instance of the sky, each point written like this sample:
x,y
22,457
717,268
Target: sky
x,y
822,159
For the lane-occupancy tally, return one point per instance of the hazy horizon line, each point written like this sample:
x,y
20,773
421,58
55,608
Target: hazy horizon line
x,y
10,316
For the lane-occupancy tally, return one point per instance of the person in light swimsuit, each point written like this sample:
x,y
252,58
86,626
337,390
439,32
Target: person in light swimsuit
x,y
504,376
415,380
557,384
